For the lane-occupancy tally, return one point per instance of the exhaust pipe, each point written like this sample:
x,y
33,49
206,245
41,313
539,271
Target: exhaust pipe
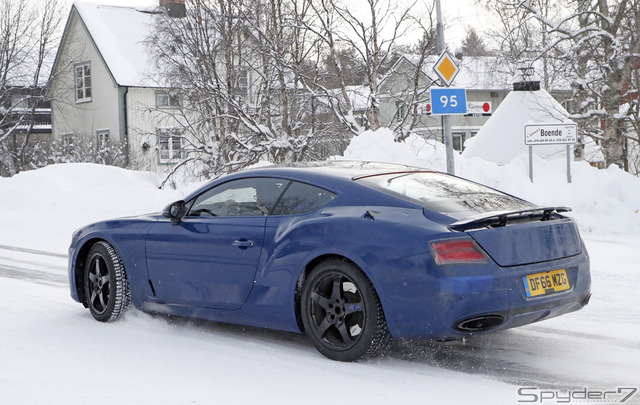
x,y
480,323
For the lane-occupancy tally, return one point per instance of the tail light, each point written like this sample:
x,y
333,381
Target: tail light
x,y
457,251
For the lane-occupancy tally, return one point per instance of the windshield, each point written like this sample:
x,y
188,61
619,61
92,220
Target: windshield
x,y
445,194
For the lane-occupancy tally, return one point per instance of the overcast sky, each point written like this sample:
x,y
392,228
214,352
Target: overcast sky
x,y
458,15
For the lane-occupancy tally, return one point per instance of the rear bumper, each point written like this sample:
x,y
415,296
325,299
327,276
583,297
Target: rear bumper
x,y
450,302
492,322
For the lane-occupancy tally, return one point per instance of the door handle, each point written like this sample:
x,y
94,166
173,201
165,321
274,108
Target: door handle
x,y
243,243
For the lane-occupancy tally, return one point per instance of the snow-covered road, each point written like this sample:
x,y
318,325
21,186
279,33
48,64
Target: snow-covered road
x,y
52,351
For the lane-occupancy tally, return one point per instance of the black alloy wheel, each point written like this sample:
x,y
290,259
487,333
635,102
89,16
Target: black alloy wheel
x,y
341,312
105,283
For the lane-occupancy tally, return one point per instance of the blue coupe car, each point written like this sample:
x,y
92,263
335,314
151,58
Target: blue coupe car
x,y
352,254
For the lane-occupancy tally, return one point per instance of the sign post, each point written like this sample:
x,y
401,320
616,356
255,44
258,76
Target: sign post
x,y
447,69
550,134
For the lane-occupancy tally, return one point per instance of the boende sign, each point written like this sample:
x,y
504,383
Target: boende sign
x,y
550,134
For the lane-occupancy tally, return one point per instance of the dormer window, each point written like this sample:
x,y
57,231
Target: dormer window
x,y
83,82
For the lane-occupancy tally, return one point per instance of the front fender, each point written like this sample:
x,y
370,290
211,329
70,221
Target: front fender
x,y
127,236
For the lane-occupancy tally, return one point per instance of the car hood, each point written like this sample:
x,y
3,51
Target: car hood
x,y
113,225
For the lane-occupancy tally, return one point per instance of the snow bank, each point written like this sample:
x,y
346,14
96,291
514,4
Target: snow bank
x,y
40,209
603,201
379,146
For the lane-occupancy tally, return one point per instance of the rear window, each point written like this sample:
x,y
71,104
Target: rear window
x,y
445,194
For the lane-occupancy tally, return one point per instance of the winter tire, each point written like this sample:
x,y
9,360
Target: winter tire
x,y
105,283
341,312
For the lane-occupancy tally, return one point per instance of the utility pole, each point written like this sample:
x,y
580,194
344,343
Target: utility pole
x,y
446,119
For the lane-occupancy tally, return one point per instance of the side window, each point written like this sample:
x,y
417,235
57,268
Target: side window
x,y
244,197
301,198
83,82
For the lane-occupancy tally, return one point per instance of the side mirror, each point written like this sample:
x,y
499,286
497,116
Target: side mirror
x,y
175,211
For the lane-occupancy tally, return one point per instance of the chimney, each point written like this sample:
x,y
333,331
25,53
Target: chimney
x,y
526,80
175,8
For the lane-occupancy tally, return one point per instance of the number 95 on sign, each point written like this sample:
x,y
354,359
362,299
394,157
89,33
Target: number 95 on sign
x,y
448,101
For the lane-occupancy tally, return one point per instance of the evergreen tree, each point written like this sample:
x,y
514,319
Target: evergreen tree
x,y
473,45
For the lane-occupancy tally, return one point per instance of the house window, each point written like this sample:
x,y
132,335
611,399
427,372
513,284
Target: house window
x,y
67,138
167,100
102,137
169,144
83,82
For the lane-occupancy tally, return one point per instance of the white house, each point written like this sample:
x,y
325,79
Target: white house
x,y
104,86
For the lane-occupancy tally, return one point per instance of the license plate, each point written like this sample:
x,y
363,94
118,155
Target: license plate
x,y
546,283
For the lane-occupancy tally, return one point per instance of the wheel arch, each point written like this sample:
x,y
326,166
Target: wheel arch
x,y
308,269
78,267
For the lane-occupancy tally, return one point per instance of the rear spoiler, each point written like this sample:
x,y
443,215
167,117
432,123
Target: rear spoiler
x,y
497,219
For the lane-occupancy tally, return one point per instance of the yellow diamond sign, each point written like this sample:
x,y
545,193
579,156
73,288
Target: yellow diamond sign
x,y
446,68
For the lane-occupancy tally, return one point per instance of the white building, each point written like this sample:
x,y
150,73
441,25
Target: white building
x,y
104,86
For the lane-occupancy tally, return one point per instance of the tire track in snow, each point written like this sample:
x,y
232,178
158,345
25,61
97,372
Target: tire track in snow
x,y
33,265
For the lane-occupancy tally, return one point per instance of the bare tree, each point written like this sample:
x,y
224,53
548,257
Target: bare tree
x,y
325,26
28,37
373,40
416,93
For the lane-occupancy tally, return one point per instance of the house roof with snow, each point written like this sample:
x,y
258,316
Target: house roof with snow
x,y
119,34
476,72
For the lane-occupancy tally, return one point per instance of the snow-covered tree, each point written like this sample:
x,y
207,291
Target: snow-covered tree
x,y
598,45
248,72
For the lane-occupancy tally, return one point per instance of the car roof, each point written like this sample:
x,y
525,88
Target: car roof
x,y
339,168
335,176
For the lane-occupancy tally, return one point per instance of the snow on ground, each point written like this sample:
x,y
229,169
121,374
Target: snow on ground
x,y
52,351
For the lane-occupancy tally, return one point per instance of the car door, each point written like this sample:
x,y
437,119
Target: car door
x,y
210,258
